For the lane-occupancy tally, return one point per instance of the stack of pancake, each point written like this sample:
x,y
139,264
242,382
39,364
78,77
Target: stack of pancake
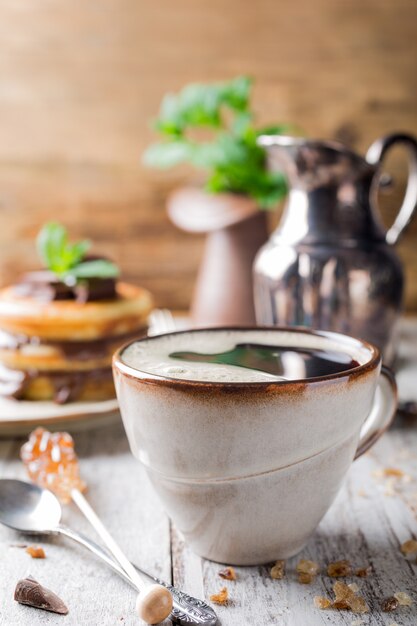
x,y
57,341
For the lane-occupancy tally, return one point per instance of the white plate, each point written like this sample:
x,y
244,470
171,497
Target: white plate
x,y
18,417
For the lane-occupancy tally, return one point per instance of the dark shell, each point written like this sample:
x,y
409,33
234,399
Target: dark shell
x,y
29,591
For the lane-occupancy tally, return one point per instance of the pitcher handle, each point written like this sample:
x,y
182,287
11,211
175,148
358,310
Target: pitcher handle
x,y
374,156
382,412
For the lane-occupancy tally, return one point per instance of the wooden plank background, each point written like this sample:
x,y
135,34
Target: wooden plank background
x,y
79,83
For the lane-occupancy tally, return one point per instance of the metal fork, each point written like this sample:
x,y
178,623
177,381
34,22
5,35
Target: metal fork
x,y
161,321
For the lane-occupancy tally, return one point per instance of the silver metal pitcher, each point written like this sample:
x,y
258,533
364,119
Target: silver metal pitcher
x,y
331,264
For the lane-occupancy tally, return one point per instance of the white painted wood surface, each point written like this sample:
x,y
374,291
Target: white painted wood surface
x,y
371,517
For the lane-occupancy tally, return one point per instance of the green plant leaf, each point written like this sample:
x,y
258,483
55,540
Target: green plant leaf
x,y
200,105
98,268
236,93
167,154
275,129
232,159
241,125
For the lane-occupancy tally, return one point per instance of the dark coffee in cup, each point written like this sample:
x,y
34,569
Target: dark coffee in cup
x,y
228,356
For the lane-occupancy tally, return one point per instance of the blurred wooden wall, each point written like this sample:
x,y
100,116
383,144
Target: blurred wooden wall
x,y
79,82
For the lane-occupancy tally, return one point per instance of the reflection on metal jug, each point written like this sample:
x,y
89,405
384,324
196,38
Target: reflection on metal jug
x,y
330,264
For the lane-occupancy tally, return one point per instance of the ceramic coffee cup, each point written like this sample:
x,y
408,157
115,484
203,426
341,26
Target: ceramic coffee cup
x,y
246,470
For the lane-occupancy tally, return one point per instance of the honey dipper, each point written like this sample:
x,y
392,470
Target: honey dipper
x,y
51,462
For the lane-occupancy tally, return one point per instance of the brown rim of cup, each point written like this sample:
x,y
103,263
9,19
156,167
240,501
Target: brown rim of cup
x,y
147,377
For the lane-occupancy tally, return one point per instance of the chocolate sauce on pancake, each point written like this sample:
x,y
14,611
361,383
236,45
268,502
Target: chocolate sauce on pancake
x,y
12,382
46,286
72,350
68,386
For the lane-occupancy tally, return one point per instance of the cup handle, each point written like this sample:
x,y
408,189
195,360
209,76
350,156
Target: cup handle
x,y
382,412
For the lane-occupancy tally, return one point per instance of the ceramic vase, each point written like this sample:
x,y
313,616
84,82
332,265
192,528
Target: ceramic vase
x,y
235,229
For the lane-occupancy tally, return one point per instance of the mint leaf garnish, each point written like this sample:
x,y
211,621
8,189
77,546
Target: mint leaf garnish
x,y
66,259
99,268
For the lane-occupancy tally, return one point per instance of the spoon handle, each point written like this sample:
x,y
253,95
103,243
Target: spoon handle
x,y
187,610
108,540
95,549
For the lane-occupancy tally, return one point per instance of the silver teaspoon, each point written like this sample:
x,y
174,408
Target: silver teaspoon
x,y
30,509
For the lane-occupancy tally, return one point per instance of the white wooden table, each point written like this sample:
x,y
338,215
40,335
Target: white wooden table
x,y
370,519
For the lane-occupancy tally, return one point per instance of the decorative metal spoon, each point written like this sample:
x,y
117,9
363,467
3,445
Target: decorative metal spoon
x,y
30,509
